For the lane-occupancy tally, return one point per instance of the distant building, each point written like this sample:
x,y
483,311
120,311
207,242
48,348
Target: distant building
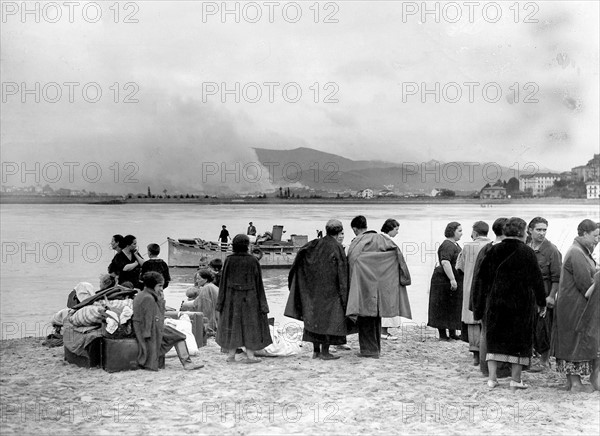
x,y
590,171
386,193
593,190
365,193
582,173
493,192
538,183
63,192
568,176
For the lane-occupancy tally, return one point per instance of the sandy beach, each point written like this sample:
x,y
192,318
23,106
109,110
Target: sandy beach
x,y
419,385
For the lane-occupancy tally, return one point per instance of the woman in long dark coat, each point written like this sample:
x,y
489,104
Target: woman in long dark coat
x,y
445,295
242,304
576,353
510,285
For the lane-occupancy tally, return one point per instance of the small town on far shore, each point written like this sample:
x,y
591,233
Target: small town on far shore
x,y
582,182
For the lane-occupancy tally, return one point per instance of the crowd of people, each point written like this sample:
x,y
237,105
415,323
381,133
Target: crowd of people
x,y
512,299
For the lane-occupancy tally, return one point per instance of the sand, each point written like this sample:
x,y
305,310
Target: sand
x,y
419,385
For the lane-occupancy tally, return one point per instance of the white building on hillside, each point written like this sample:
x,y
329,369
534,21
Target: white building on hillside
x,y
593,190
537,183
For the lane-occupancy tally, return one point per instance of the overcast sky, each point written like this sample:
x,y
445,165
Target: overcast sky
x,y
375,60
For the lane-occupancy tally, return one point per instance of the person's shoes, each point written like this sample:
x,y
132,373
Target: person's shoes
x,y
492,384
372,356
389,337
534,368
454,337
343,347
327,356
190,366
184,357
316,354
475,359
517,385
252,360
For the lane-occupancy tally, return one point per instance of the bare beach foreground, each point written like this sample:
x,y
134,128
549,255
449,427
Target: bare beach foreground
x,y
418,386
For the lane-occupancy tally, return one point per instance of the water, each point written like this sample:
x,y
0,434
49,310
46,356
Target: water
x,y
47,249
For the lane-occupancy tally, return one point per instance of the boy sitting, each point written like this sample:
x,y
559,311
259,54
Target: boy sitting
x,y
154,339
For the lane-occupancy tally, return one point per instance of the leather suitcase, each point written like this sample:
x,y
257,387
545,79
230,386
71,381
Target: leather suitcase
x,y
93,358
120,355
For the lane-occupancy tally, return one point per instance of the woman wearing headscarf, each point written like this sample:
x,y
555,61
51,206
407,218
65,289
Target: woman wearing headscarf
x,y
242,304
576,353
445,295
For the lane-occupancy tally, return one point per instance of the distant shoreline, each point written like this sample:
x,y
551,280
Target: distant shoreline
x,y
117,200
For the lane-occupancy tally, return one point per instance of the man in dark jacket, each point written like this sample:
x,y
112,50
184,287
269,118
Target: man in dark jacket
x,y
318,283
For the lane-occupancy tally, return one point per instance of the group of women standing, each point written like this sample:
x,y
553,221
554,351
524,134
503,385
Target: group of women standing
x,y
508,293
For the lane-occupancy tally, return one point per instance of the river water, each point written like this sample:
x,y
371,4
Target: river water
x,y
48,249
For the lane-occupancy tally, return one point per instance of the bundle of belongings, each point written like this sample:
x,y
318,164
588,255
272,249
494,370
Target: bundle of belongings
x,y
106,313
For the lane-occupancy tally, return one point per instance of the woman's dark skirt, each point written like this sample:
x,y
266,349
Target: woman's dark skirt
x,y
445,305
323,339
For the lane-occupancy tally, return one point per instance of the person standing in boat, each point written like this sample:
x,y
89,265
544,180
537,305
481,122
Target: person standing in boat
x,y
251,229
224,238
318,284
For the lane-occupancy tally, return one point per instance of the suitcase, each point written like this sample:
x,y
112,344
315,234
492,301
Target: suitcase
x,y
119,355
93,359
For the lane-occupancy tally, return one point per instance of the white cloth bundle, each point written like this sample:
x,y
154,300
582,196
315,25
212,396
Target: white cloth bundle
x,y
184,325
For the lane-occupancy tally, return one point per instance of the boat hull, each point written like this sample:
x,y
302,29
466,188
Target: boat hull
x,y
188,254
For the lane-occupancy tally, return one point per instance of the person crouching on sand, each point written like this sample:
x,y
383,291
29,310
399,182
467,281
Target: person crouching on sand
x,y
154,339
242,304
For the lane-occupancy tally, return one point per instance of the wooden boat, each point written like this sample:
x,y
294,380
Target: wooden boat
x,y
276,253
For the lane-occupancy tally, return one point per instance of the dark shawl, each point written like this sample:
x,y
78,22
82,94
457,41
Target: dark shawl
x,y
318,284
512,285
242,304
576,277
478,295
148,325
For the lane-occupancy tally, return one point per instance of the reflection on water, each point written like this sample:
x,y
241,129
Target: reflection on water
x,y
48,249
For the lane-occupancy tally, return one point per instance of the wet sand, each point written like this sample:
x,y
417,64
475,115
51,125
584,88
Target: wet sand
x,y
419,385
